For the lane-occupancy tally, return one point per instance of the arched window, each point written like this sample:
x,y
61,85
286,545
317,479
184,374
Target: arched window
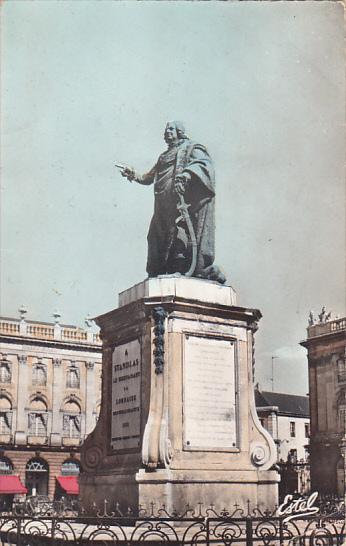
x,y
38,417
6,466
72,420
5,371
5,415
39,374
73,378
36,476
71,467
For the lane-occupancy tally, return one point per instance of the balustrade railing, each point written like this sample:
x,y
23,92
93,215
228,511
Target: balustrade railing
x,y
97,338
40,331
73,334
48,332
328,327
7,327
339,324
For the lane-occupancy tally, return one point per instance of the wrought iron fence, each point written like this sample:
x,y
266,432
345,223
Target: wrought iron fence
x,y
52,524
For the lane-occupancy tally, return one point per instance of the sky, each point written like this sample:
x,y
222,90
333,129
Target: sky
x,y
85,84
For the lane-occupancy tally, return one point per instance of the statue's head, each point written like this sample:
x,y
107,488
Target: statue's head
x,y
174,131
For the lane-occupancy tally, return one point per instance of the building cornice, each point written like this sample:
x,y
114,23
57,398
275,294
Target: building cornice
x,y
58,344
323,338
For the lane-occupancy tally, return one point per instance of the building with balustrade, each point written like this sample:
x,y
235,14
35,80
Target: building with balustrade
x,y
50,385
326,346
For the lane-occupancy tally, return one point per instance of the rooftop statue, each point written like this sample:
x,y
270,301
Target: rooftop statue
x,y
182,231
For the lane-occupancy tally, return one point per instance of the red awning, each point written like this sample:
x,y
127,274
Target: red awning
x,y
69,484
10,485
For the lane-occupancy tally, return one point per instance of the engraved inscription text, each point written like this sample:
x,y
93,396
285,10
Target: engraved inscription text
x,y
126,391
209,394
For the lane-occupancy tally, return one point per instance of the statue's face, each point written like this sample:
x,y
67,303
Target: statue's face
x,y
171,134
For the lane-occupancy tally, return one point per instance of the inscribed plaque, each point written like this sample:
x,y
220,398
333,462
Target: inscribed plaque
x,y
126,396
209,401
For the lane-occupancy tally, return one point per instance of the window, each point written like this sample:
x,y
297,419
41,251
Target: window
x,y
5,415
6,466
307,430
5,371
292,429
292,456
71,467
341,370
72,420
38,424
71,426
342,411
342,418
72,379
5,422
36,465
39,374
36,476
38,418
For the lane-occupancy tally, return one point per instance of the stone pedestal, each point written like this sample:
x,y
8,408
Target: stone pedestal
x,y
178,423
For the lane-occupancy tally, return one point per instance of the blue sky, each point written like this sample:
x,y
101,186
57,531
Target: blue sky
x,y
85,84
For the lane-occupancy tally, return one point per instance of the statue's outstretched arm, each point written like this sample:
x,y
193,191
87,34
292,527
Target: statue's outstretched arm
x,y
147,178
129,173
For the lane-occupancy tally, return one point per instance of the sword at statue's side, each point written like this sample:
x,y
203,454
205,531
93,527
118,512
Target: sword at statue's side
x,y
183,208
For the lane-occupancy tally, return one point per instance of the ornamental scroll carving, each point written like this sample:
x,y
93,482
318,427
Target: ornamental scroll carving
x,y
154,446
260,454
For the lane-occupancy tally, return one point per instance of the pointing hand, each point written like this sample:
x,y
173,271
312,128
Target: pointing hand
x,y
128,172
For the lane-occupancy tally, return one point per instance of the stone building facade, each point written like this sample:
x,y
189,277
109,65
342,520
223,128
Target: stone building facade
x,y
287,418
50,384
326,346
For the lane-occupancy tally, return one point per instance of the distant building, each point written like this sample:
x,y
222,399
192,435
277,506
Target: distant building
x,y
287,418
50,378
326,346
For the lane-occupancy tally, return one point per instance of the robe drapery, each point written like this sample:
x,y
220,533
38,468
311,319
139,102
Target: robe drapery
x,y
167,252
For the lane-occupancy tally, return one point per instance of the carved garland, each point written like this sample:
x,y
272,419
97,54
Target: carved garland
x,y
254,330
159,315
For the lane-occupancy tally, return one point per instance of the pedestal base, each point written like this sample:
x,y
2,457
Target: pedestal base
x,y
221,490
176,490
178,423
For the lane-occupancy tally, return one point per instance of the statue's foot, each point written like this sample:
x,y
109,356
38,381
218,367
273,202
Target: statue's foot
x,y
213,273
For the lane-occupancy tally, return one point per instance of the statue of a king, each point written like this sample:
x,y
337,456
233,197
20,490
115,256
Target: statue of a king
x,y
182,231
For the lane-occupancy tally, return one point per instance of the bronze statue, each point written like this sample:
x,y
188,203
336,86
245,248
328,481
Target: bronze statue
x,y
182,230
